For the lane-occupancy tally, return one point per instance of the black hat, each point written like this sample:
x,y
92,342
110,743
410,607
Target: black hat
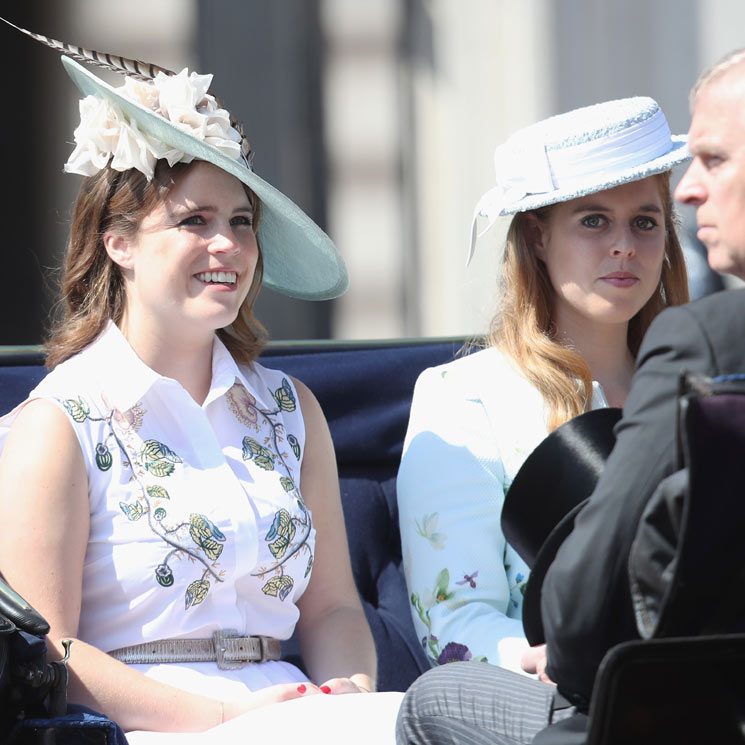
x,y
546,495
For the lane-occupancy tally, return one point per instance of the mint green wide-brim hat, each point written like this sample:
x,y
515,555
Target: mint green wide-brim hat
x,y
300,260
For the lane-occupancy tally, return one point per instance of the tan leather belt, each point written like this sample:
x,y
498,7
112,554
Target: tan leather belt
x,y
226,648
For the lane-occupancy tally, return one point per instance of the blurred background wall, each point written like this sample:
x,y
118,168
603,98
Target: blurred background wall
x,y
378,117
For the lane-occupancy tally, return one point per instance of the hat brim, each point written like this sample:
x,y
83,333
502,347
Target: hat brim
x,y
678,153
300,260
532,618
561,471
553,484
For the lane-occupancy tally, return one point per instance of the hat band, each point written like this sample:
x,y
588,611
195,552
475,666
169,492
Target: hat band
x,y
633,146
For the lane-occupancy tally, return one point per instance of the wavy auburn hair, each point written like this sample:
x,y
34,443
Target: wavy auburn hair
x,y
524,326
92,287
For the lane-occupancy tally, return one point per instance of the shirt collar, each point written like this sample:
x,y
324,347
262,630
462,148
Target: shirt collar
x,y
225,372
126,378
126,382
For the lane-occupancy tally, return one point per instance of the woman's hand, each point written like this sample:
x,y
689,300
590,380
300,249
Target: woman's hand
x,y
264,697
534,661
347,685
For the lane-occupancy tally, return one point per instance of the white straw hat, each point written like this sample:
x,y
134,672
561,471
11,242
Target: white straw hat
x,y
577,153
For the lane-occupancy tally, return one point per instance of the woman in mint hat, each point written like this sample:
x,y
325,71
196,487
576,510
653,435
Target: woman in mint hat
x,y
590,257
174,504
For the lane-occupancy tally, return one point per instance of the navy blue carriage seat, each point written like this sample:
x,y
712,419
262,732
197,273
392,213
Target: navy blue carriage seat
x,y
365,390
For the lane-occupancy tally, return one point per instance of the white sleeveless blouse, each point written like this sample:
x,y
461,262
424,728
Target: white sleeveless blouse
x,y
196,524
197,521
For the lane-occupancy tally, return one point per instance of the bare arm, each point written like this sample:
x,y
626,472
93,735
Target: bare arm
x,y
335,638
44,495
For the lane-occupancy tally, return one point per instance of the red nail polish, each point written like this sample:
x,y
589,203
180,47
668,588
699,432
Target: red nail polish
x,y
325,689
301,688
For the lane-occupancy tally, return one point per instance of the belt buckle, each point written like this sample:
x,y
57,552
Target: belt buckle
x,y
264,643
218,639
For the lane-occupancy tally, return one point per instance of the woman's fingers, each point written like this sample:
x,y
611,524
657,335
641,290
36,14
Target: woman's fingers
x,y
340,685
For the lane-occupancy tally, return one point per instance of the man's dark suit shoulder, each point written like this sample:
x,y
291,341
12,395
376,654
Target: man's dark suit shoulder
x,y
585,598
719,317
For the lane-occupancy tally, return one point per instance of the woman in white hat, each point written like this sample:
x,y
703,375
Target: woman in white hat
x,y
590,257
174,504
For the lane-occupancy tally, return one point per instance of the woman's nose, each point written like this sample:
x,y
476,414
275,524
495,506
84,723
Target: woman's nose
x,y
625,244
223,241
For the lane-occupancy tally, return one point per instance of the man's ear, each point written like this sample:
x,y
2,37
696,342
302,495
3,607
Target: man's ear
x,y
119,249
535,234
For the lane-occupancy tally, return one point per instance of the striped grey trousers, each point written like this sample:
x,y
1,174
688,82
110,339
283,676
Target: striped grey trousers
x,y
474,703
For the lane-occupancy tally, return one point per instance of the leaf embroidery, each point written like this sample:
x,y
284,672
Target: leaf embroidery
x,y
157,492
281,533
196,592
262,457
207,536
158,458
132,511
287,483
278,586
78,410
284,396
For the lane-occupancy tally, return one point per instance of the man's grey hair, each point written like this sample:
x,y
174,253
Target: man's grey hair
x,y
724,65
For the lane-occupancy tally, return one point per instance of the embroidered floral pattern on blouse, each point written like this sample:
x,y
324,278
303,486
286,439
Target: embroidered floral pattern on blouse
x,y
452,651
198,539
428,529
287,537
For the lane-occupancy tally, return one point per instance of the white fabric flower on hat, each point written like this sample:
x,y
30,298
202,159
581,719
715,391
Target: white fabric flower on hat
x,y
105,133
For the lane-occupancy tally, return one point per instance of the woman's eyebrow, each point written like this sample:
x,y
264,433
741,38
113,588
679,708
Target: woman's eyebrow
x,y
650,208
589,207
183,208
601,208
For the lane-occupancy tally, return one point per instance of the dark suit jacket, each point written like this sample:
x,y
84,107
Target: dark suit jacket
x,y
586,603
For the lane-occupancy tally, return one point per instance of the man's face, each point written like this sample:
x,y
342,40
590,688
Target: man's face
x,y
715,180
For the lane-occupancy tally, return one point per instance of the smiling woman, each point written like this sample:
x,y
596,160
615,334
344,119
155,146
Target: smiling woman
x,y
188,269
185,518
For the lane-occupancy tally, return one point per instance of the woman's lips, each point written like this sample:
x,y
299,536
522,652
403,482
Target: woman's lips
x,y
218,279
620,279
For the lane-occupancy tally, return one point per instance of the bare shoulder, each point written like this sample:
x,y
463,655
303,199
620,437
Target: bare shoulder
x,y
41,419
319,460
41,429
312,413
